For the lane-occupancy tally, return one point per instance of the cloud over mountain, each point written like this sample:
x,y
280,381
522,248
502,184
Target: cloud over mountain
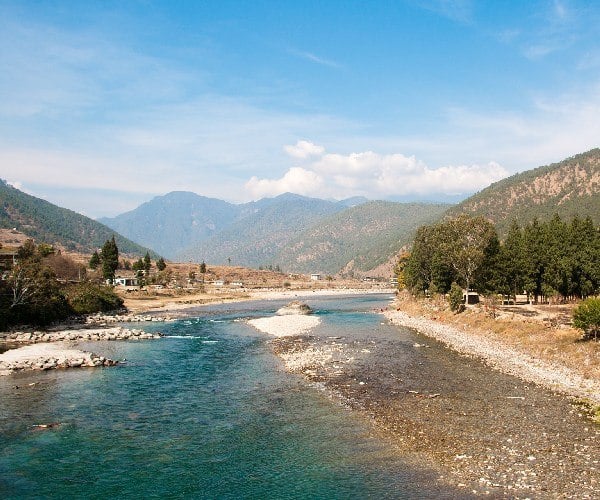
x,y
371,174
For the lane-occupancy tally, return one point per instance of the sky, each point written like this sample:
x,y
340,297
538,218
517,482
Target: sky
x,y
105,105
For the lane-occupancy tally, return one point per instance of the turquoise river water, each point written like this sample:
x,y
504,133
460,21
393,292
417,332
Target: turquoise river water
x,y
206,412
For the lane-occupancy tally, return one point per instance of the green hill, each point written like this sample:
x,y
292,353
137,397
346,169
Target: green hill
x,y
570,187
45,222
358,239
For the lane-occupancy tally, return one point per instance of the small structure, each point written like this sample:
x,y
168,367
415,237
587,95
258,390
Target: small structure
x,y
126,281
8,258
236,284
219,282
470,297
315,277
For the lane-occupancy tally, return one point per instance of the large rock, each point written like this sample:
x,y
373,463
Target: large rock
x,y
295,307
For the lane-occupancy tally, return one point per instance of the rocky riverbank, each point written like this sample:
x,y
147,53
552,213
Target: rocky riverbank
x,y
485,431
50,349
502,357
78,334
49,357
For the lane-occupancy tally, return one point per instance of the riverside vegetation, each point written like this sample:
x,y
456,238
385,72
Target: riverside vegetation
x,y
44,286
552,261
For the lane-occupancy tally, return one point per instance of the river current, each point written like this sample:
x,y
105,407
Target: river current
x,y
206,412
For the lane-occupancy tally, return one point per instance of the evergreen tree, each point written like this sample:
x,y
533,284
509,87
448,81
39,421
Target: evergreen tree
x,y
94,260
512,262
203,267
160,264
109,256
534,237
147,263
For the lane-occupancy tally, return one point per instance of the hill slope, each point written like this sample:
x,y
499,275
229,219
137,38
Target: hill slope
x,y
262,229
174,221
45,222
570,187
358,239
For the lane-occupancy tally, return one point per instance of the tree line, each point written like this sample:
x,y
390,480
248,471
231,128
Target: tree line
x,y
553,259
45,286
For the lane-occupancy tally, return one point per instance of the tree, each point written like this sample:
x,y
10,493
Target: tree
x,y
455,298
203,267
147,263
465,244
511,262
160,264
94,260
109,255
587,318
536,257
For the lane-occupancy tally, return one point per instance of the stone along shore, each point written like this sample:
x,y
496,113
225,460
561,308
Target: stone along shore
x,y
47,350
49,357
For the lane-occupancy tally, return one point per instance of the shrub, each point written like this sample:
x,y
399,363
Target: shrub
x,y
88,298
586,317
455,298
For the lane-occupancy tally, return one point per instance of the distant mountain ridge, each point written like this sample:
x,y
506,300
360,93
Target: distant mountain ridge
x,y
296,233
49,223
174,221
570,187
262,230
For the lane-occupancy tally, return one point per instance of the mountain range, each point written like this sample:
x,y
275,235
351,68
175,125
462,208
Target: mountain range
x,y
301,234
293,232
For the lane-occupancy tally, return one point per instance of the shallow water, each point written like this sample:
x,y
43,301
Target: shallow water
x,y
206,412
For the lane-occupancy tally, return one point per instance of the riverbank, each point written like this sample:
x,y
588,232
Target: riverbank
x,y
160,304
483,431
537,350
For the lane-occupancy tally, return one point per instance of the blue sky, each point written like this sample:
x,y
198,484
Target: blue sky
x,y
107,104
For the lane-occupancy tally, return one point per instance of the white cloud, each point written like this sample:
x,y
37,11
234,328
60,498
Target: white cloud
x,y
376,176
304,149
309,56
296,180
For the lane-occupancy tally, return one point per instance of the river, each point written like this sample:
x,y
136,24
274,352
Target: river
x,y
208,411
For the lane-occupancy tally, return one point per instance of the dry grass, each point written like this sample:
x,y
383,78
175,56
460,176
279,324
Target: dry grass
x,y
540,331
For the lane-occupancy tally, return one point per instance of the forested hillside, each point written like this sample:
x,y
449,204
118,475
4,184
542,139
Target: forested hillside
x,y
568,188
357,239
261,231
49,223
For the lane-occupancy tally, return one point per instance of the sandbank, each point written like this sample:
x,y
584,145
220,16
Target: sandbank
x,y
286,326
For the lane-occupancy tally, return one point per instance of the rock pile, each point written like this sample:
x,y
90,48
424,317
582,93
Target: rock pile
x,y
49,357
103,319
114,333
295,307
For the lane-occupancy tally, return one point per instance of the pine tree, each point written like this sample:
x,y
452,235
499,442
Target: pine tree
x,y
160,264
147,262
109,256
94,260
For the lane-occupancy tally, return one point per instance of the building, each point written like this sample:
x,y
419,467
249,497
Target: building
x,y
126,282
315,277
